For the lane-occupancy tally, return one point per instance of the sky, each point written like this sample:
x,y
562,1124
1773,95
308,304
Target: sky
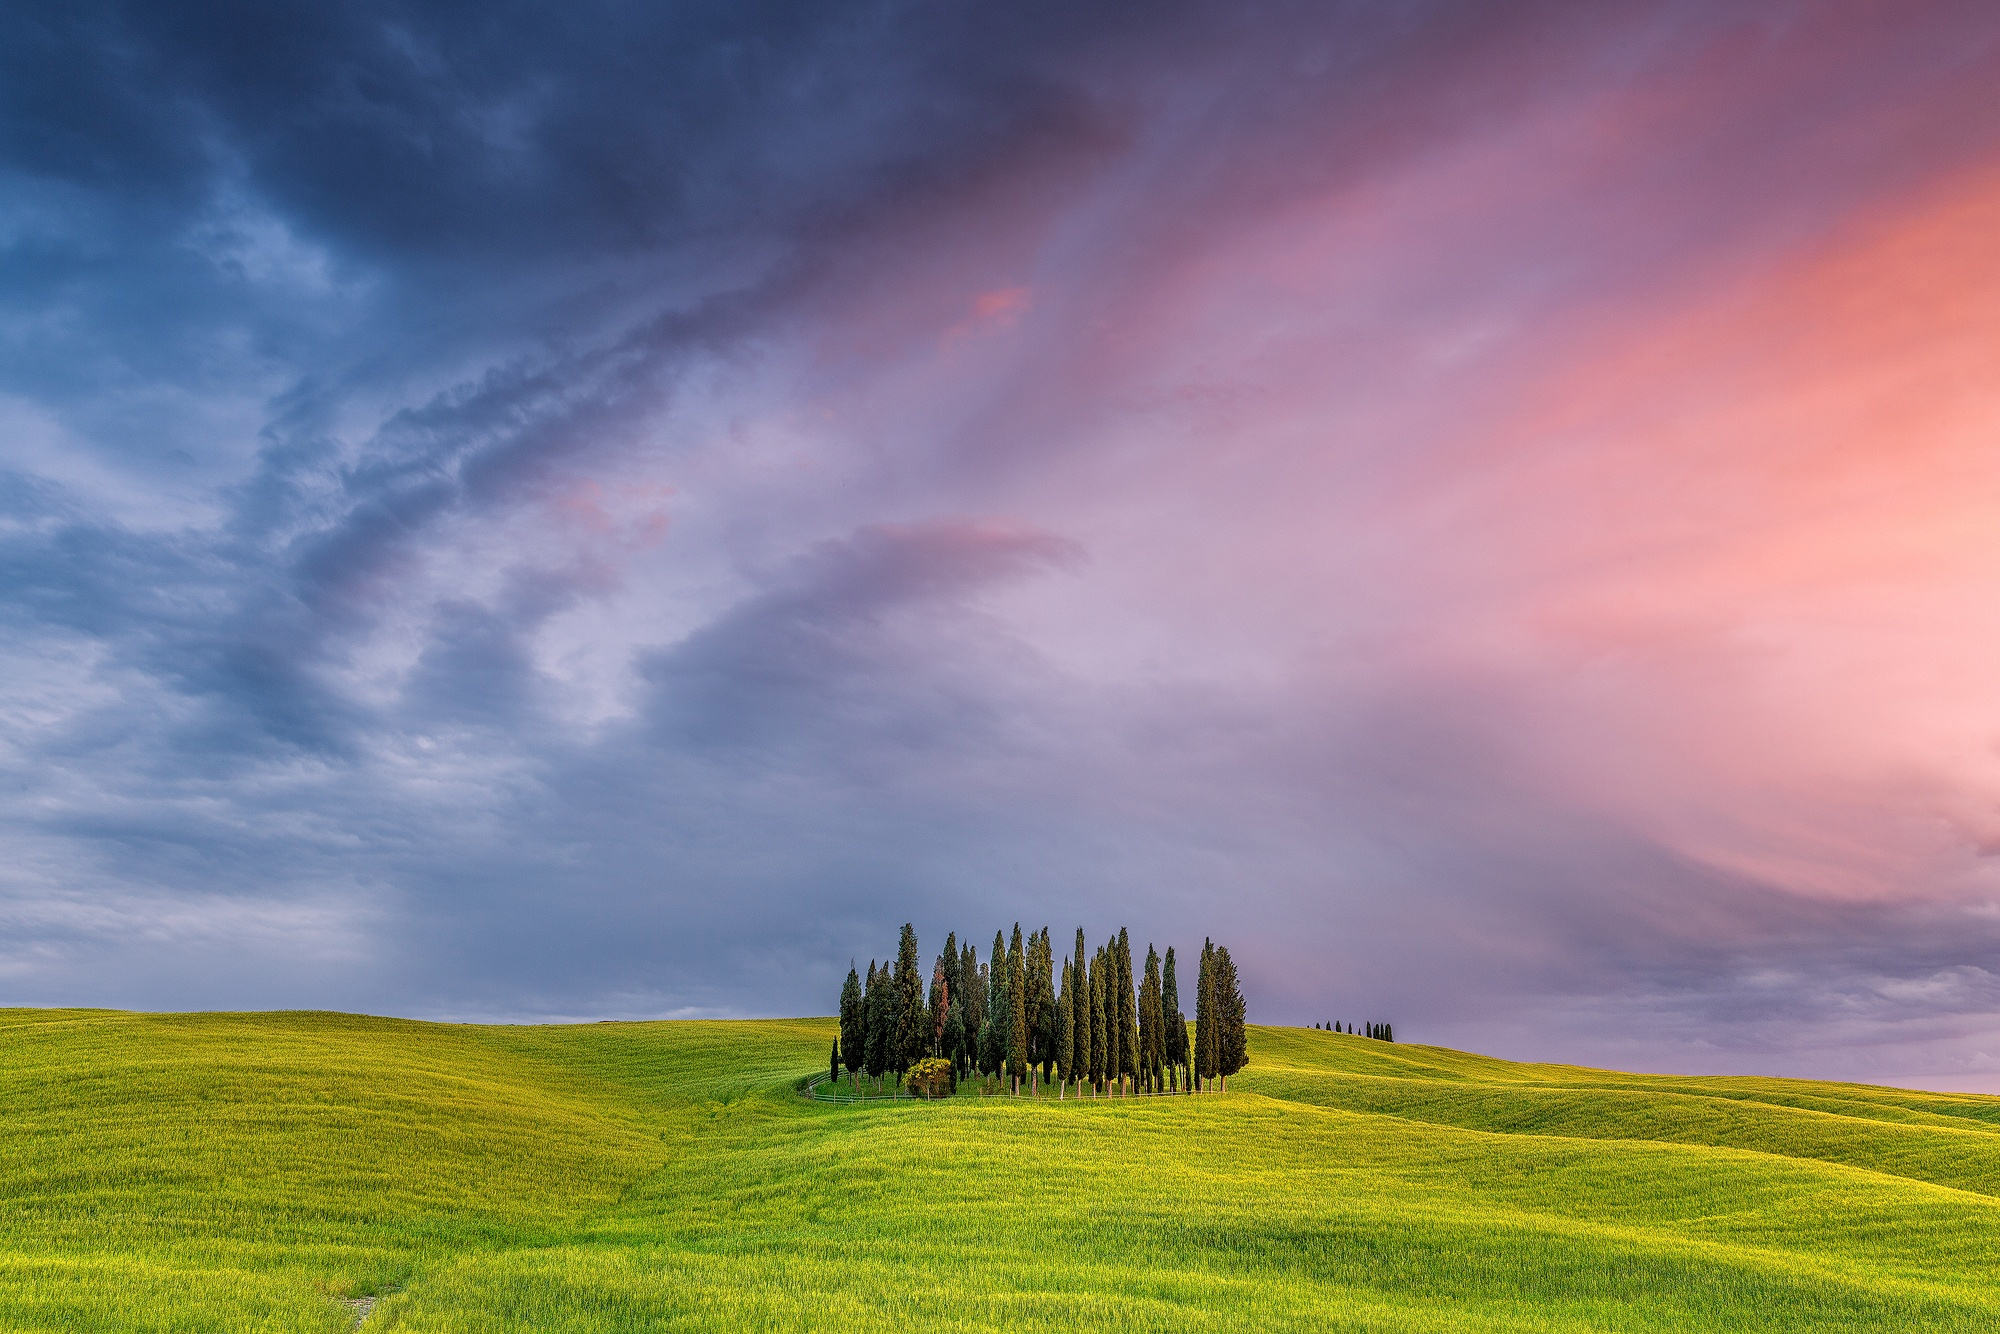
x,y
1491,511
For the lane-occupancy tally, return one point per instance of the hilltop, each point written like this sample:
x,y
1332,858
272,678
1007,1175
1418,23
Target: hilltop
x,y
259,1171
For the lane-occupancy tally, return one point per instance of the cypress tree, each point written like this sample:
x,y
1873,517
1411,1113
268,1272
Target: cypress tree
x,y
975,990
1099,1030
880,1019
950,960
1388,1032
1153,1013
954,988
912,1018
1036,1005
1231,1052
999,1005
1065,1045
1045,982
954,1037
1127,1023
938,1008
1170,1005
1017,1001
833,1066
1080,1009
851,1023
1204,1019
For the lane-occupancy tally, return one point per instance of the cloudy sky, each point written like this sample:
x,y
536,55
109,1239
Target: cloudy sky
x,y
1492,511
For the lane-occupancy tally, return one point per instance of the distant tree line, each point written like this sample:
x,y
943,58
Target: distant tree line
x,y
1380,1032
1022,1017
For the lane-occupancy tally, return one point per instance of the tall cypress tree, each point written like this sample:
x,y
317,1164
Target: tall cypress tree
x,y
1110,950
1232,1053
851,1023
999,1006
1204,1019
1177,1040
878,1010
1017,1000
1045,981
1100,1030
1128,1028
954,1038
955,988
938,1010
1081,1011
833,1066
950,960
912,1018
1065,1054
975,989
1153,1025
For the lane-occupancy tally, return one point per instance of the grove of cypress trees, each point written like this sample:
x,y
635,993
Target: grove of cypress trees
x,y
851,1023
1231,1052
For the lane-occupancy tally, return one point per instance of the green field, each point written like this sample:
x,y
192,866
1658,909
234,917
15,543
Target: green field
x,y
249,1172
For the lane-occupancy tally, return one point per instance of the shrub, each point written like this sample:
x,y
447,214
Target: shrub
x,y
931,1077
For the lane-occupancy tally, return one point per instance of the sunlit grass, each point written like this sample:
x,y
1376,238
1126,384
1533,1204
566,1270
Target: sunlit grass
x,y
242,1172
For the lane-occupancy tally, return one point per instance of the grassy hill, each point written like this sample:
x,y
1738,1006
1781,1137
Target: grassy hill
x,y
247,1172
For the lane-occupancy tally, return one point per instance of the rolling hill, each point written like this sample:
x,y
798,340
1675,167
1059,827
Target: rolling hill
x,y
262,1171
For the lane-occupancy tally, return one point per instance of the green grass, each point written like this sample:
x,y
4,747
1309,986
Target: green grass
x,y
245,1172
